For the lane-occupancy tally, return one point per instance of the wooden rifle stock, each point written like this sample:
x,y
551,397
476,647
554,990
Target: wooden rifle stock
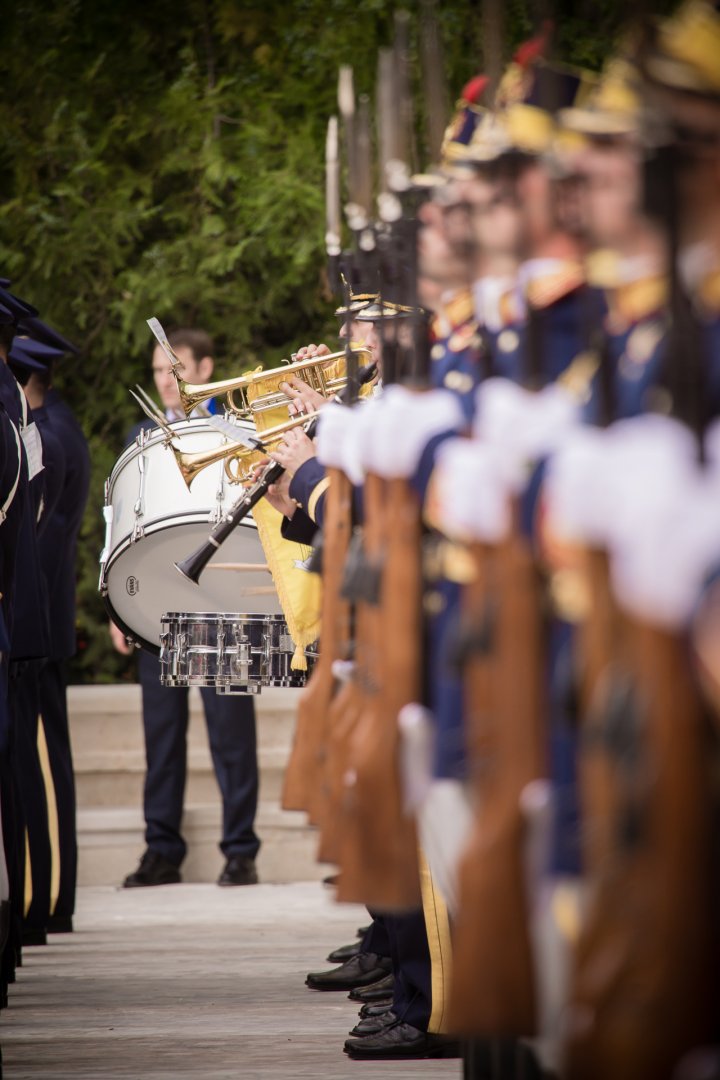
x,y
600,641
346,708
351,702
301,788
379,865
493,982
645,984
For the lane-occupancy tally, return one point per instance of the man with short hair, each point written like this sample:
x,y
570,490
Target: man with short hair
x,y
230,719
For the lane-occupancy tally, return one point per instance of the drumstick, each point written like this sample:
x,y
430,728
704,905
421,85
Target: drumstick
x,y
259,590
242,566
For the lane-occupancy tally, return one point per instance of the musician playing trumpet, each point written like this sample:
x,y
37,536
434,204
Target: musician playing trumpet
x,y
296,449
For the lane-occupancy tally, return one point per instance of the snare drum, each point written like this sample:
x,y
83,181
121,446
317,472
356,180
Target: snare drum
x,y
153,520
233,652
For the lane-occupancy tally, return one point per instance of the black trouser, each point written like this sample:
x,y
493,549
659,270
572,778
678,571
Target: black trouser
x,y
231,733
404,939
25,709
13,829
412,990
53,709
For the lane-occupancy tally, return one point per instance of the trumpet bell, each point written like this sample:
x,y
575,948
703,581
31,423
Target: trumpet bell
x,y
239,460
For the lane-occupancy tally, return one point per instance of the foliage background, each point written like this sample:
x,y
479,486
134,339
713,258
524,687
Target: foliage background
x,y
166,157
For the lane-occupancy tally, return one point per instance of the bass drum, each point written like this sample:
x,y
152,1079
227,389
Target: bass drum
x,y
153,521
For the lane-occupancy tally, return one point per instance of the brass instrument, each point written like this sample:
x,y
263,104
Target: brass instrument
x,y
259,390
239,459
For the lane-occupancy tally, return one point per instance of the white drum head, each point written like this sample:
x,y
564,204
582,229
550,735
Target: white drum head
x,y
147,498
143,584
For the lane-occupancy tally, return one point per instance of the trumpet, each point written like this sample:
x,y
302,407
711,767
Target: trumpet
x,y
259,390
193,566
238,457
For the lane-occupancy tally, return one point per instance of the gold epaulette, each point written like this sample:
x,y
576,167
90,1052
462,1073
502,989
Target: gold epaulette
x,y
458,310
708,292
453,314
638,300
464,337
549,288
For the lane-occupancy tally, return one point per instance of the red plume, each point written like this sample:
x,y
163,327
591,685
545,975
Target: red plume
x,y
474,90
536,47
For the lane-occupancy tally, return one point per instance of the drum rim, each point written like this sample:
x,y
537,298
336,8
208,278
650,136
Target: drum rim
x,y
155,433
142,642
215,615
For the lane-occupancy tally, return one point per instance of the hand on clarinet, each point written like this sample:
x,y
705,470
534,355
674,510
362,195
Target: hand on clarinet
x,y
277,494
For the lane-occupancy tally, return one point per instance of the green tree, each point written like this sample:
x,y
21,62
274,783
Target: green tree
x,y
167,159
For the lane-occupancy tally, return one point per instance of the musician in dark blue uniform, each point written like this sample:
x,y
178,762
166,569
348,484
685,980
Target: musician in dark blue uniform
x,y
230,719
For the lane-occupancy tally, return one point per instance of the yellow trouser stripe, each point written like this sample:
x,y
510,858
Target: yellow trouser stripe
x,y
437,925
53,818
28,876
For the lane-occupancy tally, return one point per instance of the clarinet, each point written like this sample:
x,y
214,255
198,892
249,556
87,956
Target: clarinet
x,y
193,566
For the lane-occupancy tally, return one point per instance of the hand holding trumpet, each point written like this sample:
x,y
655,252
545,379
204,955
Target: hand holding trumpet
x,y
293,451
303,399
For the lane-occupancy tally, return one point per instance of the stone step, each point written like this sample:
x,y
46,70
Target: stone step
x,y
109,718
109,750
109,760
117,780
110,842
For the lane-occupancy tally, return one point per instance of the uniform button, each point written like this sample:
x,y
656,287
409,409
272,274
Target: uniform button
x,y
458,381
433,602
508,341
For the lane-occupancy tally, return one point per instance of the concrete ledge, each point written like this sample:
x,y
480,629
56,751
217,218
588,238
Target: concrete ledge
x,y
109,760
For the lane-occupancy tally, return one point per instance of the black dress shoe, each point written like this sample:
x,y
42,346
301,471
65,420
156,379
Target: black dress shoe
x,y
345,952
401,1041
362,931
60,924
373,1025
382,990
373,1010
154,869
34,935
361,970
239,870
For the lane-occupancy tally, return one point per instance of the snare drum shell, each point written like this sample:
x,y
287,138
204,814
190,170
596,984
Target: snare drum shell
x,y
235,652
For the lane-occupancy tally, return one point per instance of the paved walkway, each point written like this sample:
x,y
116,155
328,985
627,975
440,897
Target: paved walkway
x,y
190,981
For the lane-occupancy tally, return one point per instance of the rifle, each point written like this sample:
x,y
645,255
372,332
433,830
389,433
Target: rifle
x,y
360,588
379,857
645,985
301,787
505,693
